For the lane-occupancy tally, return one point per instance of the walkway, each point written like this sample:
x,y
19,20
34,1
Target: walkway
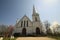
x,y
34,38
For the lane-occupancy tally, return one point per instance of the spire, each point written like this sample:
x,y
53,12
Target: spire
x,y
34,10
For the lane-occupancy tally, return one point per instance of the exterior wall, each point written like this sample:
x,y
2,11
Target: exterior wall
x,y
35,25
18,28
37,16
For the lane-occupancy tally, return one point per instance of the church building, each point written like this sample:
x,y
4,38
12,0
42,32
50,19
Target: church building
x,y
25,26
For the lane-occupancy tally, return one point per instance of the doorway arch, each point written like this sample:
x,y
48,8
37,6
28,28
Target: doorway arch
x,y
37,31
24,31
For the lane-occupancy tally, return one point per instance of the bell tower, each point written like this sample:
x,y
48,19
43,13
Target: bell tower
x,y
35,15
36,21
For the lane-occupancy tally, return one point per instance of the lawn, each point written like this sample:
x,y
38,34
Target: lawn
x,y
9,38
55,37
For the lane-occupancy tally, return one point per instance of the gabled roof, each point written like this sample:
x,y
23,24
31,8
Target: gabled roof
x,y
23,17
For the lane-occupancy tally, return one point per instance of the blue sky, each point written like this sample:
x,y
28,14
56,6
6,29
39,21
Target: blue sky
x,y
10,10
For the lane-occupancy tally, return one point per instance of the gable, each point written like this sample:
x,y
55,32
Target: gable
x,y
24,18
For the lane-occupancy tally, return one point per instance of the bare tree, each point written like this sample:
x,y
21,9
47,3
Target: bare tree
x,y
47,25
3,29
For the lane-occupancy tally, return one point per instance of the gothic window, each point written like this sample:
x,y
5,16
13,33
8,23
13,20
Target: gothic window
x,y
24,23
35,18
21,23
27,23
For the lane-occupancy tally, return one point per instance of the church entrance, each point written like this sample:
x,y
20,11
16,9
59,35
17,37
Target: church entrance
x,y
37,31
24,31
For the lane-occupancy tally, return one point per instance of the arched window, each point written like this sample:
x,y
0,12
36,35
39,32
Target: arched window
x,y
21,23
27,23
24,23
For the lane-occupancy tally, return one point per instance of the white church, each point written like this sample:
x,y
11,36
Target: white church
x,y
26,26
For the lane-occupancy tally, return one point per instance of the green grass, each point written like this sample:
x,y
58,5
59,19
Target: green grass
x,y
55,37
9,38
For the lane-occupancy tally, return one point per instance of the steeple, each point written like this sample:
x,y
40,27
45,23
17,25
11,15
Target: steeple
x,y
35,15
34,11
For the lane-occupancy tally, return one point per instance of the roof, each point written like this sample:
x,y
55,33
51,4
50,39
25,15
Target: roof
x,y
22,18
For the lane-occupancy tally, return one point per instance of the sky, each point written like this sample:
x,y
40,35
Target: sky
x,y
11,10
